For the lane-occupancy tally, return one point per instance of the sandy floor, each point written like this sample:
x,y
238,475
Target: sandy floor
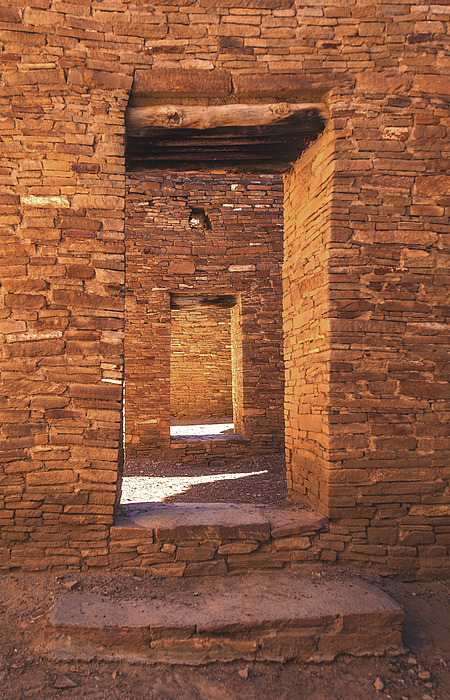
x,y
25,600
254,480
202,429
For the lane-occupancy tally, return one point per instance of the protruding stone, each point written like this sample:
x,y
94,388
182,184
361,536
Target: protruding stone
x,y
273,617
203,521
378,684
64,682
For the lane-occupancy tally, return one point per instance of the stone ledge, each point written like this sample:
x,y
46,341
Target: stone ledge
x,y
199,521
183,439
263,617
198,539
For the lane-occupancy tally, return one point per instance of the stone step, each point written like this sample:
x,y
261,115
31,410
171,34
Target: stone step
x,y
259,617
199,539
172,521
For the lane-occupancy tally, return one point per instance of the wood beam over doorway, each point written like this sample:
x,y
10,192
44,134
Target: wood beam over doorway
x,y
242,137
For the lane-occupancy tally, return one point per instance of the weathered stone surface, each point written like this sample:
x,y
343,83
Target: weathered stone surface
x,y
286,86
197,521
80,272
284,618
293,542
433,83
167,82
107,392
98,78
238,548
252,4
175,570
386,83
365,264
181,267
25,301
38,348
195,554
292,521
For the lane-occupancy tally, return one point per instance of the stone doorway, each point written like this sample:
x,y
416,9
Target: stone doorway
x,y
202,381
237,250
234,269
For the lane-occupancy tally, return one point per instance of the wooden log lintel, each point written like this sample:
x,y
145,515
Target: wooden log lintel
x,y
140,120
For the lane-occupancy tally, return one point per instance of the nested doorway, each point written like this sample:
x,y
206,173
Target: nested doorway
x,y
239,252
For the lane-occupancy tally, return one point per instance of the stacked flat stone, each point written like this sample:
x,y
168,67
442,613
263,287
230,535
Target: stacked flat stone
x,y
366,283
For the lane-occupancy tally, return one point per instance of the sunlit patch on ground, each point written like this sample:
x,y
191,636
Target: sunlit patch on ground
x,y
202,429
260,479
158,488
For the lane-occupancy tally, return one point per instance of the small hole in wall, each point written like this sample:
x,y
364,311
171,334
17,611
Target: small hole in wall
x,y
199,218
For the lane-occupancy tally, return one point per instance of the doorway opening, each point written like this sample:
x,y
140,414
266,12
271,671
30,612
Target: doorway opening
x,y
204,332
205,220
201,368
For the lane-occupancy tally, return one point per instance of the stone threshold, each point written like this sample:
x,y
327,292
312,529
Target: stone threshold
x,y
211,539
260,617
183,439
198,521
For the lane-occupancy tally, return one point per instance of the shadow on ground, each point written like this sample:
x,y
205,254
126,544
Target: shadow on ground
x,y
258,480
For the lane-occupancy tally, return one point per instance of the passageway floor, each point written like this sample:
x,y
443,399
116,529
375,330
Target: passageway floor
x,y
27,598
258,480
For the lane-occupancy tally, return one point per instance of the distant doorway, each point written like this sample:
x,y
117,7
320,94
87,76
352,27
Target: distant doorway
x,y
201,376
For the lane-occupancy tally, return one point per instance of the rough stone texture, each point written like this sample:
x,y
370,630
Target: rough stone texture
x,y
366,305
283,619
240,255
216,538
208,450
200,366
197,521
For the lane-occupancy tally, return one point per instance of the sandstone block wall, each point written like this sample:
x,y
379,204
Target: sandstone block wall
x,y
371,447
240,256
308,215
200,366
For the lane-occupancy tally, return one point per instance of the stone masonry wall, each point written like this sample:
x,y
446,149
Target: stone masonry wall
x,y
200,366
372,451
240,255
388,320
305,281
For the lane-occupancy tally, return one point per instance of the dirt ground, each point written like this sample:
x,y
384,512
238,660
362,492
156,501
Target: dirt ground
x,y
26,599
258,480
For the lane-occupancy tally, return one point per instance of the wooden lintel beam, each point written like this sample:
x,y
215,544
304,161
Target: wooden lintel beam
x,y
139,120
154,144
212,156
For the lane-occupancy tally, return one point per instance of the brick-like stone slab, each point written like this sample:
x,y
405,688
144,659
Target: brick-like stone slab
x,y
251,4
191,521
162,82
262,617
292,520
287,85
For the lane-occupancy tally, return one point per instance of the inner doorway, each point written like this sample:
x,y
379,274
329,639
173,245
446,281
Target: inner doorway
x,y
201,368
225,280
204,326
